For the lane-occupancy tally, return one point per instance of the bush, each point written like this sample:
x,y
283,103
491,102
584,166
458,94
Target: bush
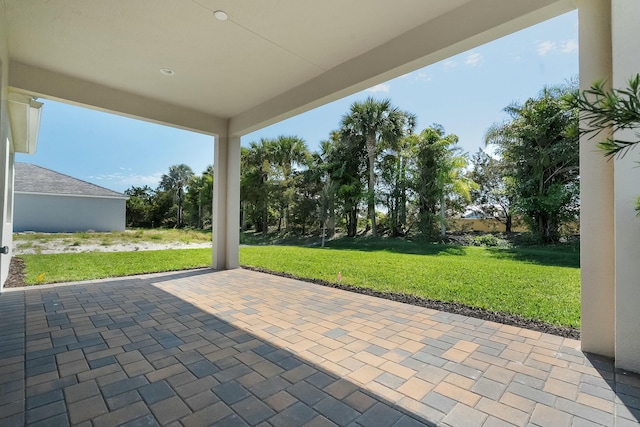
x,y
489,240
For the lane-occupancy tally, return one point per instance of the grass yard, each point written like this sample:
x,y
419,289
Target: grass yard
x,y
540,284
70,267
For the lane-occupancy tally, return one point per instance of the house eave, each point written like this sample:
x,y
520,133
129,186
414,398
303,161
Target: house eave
x,y
35,193
24,116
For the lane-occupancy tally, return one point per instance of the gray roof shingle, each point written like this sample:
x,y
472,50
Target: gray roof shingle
x,y
36,179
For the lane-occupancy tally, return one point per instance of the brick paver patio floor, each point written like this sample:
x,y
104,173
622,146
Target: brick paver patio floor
x,y
244,348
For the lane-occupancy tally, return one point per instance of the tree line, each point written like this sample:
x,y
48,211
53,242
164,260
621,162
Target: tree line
x,y
376,173
182,199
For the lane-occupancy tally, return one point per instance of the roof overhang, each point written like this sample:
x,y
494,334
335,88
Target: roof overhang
x,y
84,196
271,60
24,116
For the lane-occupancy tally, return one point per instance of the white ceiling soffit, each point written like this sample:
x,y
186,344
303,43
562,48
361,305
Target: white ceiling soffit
x,y
24,117
269,60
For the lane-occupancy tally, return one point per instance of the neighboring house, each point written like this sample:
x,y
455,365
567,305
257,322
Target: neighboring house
x,y
478,218
475,212
48,201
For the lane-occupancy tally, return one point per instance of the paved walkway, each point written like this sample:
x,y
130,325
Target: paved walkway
x,y
240,347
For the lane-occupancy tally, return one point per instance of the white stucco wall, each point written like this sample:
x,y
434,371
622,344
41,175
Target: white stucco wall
x,y
626,63
6,159
56,214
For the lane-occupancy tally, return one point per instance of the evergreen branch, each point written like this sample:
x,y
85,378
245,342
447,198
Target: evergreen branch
x,y
615,109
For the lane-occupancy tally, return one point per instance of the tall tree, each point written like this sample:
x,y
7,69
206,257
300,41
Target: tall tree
x,y
377,124
346,165
329,192
307,186
139,204
287,152
539,143
454,183
175,182
435,166
199,198
396,183
492,195
255,187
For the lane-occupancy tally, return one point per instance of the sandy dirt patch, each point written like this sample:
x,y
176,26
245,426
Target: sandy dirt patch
x,y
22,247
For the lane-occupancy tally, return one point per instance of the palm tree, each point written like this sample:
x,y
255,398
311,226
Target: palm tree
x,y
287,151
175,182
256,168
330,189
453,181
378,124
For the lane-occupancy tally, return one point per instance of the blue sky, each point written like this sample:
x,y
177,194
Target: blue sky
x,y
466,94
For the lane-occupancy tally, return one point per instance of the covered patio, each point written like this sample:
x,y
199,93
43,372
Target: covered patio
x,y
241,347
238,347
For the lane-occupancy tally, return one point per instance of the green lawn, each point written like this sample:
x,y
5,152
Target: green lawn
x,y
537,283
96,265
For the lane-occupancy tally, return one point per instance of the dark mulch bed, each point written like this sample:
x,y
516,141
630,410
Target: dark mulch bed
x,y
16,274
449,307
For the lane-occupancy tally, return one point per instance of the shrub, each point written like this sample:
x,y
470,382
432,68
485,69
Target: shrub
x,y
489,240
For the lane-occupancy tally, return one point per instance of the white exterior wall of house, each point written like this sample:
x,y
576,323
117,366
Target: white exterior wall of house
x,y
6,160
53,213
626,63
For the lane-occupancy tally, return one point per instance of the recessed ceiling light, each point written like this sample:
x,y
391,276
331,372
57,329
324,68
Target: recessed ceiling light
x,y
167,71
221,15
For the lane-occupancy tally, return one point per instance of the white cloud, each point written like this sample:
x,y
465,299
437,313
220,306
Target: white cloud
x,y
120,180
548,47
380,88
449,63
569,46
423,77
545,47
474,59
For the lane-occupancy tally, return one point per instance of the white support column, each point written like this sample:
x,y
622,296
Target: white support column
x,y
597,245
226,203
626,63
233,203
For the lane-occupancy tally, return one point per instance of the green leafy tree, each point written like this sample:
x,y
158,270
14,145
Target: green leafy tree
x,y
329,191
379,125
435,166
164,210
491,195
455,185
346,165
543,151
199,199
396,183
139,204
255,185
285,153
175,182
307,186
